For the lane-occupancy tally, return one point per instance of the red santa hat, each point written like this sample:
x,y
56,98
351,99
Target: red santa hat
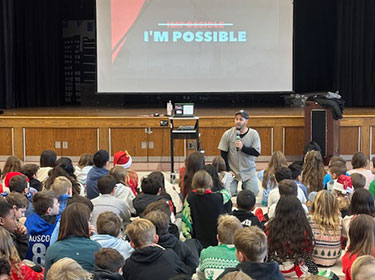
x,y
10,175
343,184
122,158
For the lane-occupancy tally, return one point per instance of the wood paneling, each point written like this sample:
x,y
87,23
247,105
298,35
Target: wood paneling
x,y
348,140
79,140
6,141
265,139
129,139
294,141
210,138
373,141
128,131
39,139
278,138
159,141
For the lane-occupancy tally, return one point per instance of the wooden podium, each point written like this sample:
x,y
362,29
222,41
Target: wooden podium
x,y
321,127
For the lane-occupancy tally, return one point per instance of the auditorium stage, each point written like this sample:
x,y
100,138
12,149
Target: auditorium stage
x,y
71,131
137,111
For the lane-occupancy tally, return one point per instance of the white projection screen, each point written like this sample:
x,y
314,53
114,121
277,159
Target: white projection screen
x,y
187,46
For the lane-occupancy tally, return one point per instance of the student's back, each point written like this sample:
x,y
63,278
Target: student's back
x,y
205,210
100,160
149,260
152,262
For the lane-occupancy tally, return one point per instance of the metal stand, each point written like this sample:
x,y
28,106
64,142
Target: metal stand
x,y
181,133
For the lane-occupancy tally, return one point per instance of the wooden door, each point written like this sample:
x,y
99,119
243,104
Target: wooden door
x,y
210,138
134,140
159,145
39,139
76,141
5,141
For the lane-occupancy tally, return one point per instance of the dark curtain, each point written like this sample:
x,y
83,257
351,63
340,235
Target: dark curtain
x,y
355,76
30,43
315,27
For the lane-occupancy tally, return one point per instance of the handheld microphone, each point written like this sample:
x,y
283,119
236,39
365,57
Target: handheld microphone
x,y
238,138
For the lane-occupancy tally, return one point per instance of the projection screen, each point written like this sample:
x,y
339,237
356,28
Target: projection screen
x,y
187,46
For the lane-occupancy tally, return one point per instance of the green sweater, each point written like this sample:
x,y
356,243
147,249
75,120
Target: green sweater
x,y
80,249
215,259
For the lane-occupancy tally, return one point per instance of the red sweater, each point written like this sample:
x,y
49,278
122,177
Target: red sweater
x,y
347,262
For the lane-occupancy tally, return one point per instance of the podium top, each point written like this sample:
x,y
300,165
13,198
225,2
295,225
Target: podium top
x,y
183,118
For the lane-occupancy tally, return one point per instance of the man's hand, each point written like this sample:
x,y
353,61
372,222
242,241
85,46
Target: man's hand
x,y
239,144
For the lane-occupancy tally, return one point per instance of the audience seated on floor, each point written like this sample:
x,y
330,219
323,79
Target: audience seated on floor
x,y
84,165
245,204
41,225
123,191
151,190
251,251
151,247
149,260
99,169
108,202
215,259
108,264
108,227
168,240
67,269
201,209
360,165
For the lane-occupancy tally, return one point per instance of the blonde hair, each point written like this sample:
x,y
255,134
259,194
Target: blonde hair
x,y
141,232
119,173
8,250
67,269
277,160
342,199
202,181
236,275
313,171
325,211
363,268
252,242
61,185
227,225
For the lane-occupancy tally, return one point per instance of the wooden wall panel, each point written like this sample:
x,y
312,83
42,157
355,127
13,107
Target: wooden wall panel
x,y
39,139
80,140
373,141
210,138
348,140
160,138
129,139
5,141
265,139
294,141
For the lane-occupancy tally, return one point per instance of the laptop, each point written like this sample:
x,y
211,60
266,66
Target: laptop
x,y
184,110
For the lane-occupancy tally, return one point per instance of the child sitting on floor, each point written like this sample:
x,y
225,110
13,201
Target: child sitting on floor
x,y
245,204
215,259
108,264
201,209
149,260
251,250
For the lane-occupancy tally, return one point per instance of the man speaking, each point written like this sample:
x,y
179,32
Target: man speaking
x,y
239,146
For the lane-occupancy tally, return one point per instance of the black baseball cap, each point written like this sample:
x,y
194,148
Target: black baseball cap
x,y
243,113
